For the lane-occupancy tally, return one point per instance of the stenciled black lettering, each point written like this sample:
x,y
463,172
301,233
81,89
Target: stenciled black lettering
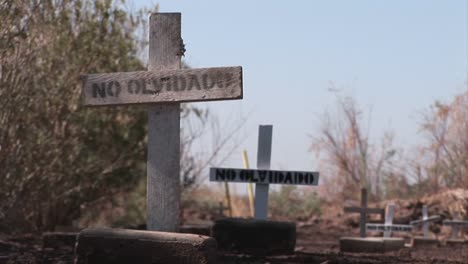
x,y
253,178
307,179
231,175
99,89
166,83
311,178
149,91
194,83
288,178
275,176
246,175
220,174
207,81
280,177
300,178
262,175
133,87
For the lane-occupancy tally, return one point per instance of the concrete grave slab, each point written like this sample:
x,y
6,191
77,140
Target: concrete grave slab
x,y
457,227
59,239
421,241
456,243
255,236
371,244
427,240
425,222
124,246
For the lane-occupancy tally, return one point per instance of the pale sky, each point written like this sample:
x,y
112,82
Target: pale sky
x,y
394,57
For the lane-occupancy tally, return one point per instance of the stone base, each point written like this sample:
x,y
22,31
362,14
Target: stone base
x,y
455,242
59,239
122,246
425,242
204,230
257,237
371,244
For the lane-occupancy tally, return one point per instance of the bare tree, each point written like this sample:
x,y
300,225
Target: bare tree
x,y
347,157
444,160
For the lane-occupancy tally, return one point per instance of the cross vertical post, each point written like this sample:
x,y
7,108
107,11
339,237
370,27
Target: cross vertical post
x,y
389,219
425,224
456,225
455,228
388,227
364,211
163,166
164,86
362,224
265,134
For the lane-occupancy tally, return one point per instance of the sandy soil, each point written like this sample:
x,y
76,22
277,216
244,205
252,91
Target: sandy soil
x,y
317,240
316,243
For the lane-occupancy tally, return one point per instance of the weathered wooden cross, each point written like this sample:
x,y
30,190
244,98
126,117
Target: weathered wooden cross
x,y
263,176
223,208
389,227
456,224
364,211
425,221
163,87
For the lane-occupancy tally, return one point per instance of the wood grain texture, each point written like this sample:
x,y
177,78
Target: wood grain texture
x,y
163,165
106,245
163,85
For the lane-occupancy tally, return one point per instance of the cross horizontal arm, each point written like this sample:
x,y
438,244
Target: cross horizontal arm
x,y
264,176
429,219
455,223
393,228
141,87
364,210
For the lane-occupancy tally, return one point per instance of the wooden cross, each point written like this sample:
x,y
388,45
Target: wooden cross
x,y
163,87
263,176
223,208
456,223
425,221
389,227
364,211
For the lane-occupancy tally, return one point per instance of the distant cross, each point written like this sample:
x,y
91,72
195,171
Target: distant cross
x,y
426,221
263,176
456,224
364,211
222,208
163,87
389,227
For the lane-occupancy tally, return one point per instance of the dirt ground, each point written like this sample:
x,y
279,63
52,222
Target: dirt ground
x,y
317,240
316,243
